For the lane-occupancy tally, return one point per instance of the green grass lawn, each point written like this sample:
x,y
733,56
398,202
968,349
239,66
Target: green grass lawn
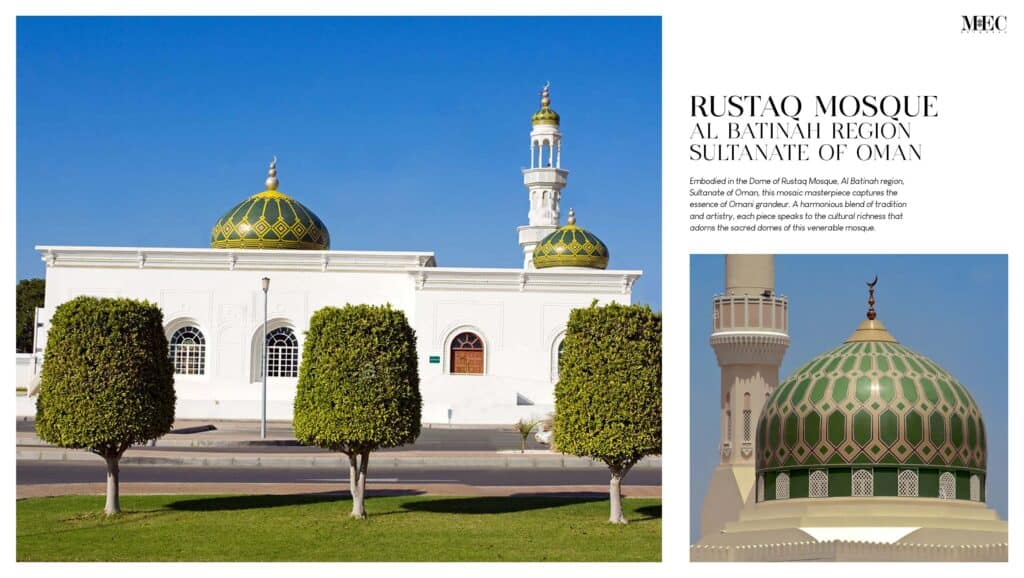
x,y
317,528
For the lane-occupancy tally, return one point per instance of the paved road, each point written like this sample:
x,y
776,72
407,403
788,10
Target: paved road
x,y
29,472
431,439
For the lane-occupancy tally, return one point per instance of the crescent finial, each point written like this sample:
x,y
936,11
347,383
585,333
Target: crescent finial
x,y
271,181
871,299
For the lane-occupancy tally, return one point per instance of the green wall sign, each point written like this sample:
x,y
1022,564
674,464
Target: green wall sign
x,y
435,359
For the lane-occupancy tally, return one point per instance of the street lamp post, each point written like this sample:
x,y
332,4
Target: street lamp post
x,y
263,415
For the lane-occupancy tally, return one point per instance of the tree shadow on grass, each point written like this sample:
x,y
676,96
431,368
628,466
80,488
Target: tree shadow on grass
x,y
262,501
503,505
649,512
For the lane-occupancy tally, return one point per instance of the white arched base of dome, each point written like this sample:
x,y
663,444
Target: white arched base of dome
x,y
892,520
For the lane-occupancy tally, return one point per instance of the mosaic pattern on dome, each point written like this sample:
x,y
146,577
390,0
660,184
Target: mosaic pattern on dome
x,y
270,220
571,246
871,403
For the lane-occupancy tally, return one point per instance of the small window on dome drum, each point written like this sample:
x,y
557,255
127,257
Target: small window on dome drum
x,y
906,484
863,483
782,486
818,484
947,486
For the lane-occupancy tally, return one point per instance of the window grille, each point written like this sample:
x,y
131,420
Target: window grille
x,y
467,354
906,483
728,425
782,486
282,353
975,488
188,351
746,425
947,486
863,483
818,484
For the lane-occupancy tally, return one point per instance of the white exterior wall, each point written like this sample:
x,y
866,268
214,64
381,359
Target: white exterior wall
x,y
520,330
518,314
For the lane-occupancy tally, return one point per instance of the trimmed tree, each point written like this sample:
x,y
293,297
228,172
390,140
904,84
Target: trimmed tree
x,y
359,387
107,381
608,397
30,294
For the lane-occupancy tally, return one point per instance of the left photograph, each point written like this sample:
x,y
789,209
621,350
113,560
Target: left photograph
x,y
391,277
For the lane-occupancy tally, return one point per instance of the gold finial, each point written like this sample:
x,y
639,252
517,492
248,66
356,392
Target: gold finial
x,y
572,217
271,181
871,299
545,95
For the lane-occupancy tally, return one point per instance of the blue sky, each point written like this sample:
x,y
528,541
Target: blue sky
x,y
950,308
401,133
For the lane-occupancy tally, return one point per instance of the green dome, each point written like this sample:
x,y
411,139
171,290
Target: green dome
x,y
270,220
571,246
874,403
546,115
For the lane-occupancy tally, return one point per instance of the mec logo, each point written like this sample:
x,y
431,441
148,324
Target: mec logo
x,y
983,24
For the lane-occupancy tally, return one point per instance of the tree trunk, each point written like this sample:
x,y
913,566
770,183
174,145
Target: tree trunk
x,y
615,493
522,448
113,488
363,463
356,484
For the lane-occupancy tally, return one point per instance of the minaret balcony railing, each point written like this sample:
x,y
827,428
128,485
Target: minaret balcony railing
x,y
750,313
545,176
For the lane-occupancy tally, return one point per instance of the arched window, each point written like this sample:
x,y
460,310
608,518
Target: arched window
x,y
782,486
467,354
818,484
906,483
188,351
282,353
975,488
760,488
556,358
863,483
947,486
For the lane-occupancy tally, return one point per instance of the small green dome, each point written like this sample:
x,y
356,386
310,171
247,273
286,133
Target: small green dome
x,y
546,115
270,220
873,403
571,246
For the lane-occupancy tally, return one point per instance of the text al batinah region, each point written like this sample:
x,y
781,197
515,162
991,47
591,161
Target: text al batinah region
x,y
863,127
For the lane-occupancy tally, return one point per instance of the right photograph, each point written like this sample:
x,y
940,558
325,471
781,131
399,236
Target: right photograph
x,y
848,407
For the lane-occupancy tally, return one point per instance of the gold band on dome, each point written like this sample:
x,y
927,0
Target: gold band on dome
x,y
270,195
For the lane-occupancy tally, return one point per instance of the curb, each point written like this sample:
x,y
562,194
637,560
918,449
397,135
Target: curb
x,y
32,440
383,460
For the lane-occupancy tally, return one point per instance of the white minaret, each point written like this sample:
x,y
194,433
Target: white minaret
x,y
545,178
750,335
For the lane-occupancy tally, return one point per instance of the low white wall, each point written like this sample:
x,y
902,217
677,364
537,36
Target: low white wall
x,y
25,366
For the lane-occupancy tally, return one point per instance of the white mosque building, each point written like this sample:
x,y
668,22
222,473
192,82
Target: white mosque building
x,y
488,338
